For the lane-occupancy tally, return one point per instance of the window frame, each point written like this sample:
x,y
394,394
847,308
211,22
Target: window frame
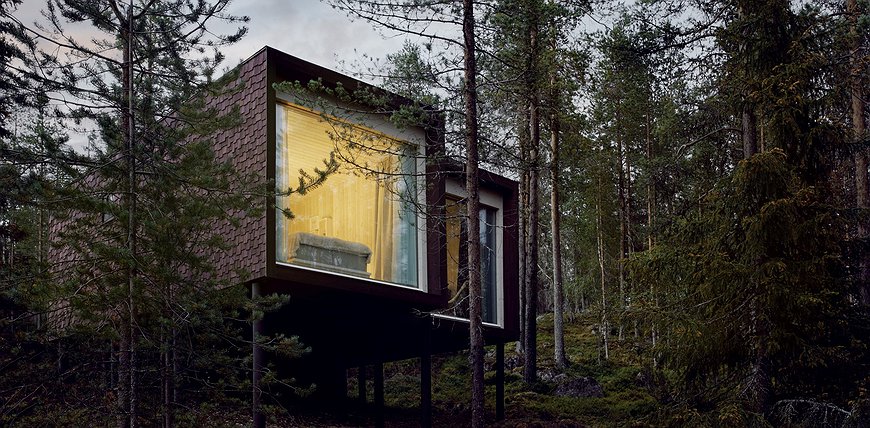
x,y
377,124
493,200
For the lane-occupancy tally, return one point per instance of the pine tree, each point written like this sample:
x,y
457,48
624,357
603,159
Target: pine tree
x,y
472,187
140,215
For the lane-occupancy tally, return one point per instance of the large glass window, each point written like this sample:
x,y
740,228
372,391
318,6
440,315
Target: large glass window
x,y
457,264
351,202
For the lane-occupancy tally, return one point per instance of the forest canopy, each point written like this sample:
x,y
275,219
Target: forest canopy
x,y
693,194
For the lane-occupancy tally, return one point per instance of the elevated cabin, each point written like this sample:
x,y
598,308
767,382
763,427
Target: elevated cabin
x,y
371,257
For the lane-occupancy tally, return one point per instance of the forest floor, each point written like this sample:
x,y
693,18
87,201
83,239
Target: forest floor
x,y
628,395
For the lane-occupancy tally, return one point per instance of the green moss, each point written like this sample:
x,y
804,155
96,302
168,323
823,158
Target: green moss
x,y
626,401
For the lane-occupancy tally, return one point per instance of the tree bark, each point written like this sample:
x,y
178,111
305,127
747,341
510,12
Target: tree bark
x,y
859,131
748,119
127,394
750,136
623,209
530,369
859,124
600,240
650,220
650,187
555,226
475,304
531,288
523,222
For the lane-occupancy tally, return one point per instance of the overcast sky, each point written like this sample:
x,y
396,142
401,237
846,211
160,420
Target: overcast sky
x,y
308,29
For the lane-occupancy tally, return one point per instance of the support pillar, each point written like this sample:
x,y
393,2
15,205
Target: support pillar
x,y
257,366
426,377
499,381
379,394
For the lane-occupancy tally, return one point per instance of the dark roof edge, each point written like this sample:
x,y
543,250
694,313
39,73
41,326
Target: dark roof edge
x,y
487,177
304,71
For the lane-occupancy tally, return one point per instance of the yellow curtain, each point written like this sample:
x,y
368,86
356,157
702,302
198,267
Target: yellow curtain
x,y
357,203
384,217
452,225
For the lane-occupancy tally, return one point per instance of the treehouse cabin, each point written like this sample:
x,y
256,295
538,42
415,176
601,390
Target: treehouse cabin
x,y
365,233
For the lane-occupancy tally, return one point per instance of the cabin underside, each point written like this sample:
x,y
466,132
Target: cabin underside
x,y
347,330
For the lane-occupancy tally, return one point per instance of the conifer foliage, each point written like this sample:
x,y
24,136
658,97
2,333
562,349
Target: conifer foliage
x,y
762,255
707,181
133,291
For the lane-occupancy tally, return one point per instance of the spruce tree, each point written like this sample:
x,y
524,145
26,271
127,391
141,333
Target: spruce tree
x,y
756,264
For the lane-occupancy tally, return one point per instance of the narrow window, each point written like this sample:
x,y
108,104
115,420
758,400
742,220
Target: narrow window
x,y
488,268
457,271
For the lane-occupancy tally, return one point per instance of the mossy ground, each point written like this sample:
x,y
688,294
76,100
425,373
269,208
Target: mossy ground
x,y
628,399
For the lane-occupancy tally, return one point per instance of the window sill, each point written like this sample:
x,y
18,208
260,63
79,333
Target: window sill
x,y
354,277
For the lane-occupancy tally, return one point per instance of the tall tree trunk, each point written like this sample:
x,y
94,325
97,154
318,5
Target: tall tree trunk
x,y
523,221
530,366
650,221
748,118
629,244
167,361
600,241
556,229
623,210
629,241
475,304
650,187
859,129
127,356
530,362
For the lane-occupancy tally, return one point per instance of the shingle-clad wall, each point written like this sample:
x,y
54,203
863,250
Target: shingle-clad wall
x,y
245,146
